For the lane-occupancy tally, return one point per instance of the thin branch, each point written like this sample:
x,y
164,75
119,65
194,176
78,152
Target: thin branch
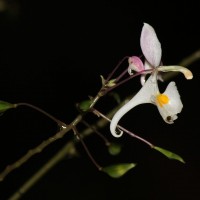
x,y
42,171
95,111
86,149
107,143
121,75
127,79
191,58
33,151
60,123
115,69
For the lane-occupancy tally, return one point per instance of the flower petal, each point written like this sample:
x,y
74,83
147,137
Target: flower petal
x,y
143,96
147,65
143,79
170,110
150,45
187,73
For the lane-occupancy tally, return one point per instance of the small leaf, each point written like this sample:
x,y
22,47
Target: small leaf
x,y
169,154
118,170
111,83
114,149
5,106
85,105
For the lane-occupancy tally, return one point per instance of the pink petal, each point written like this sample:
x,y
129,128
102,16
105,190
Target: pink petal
x,y
150,45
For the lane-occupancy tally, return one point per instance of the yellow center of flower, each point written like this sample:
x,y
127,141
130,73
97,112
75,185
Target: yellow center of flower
x,y
162,99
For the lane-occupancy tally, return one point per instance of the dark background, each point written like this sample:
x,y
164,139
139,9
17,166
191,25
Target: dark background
x,y
52,54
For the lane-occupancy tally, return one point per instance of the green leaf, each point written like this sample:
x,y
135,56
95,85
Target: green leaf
x,y
169,154
114,149
111,83
5,106
118,170
85,105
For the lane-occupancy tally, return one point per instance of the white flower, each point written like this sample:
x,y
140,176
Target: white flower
x,y
168,103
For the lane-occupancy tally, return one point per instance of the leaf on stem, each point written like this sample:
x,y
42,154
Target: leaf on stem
x,y
110,83
118,170
169,154
4,106
85,105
